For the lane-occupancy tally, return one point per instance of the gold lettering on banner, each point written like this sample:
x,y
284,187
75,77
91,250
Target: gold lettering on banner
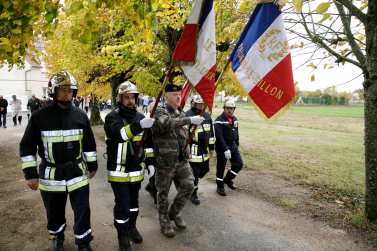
x,y
257,81
207,46
276,89
266,89
197,63
271,41
279,94
203,71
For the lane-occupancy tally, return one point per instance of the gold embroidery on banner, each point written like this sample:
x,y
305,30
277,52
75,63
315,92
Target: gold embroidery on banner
x,y
270,40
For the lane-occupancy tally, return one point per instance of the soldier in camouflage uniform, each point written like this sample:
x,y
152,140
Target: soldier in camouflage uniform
x,y
170,132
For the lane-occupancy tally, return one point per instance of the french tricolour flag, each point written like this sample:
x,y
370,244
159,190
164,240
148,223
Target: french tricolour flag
x,y
195,52
261,61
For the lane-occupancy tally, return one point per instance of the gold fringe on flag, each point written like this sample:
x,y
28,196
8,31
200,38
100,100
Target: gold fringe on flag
x,y
275,117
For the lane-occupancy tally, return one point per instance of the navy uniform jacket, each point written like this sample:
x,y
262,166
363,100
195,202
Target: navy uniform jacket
x,y
203,140
226,133
33,105
122,141
59,136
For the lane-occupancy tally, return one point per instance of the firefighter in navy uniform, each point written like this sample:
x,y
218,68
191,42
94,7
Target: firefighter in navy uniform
x,y
65,143
201,144
124,129
227,142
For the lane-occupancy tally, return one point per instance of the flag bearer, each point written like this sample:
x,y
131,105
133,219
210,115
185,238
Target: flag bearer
x,y
201,145
170,133
227,142
62,135
124,129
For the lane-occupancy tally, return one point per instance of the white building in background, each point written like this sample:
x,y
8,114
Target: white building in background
x,y
355,99
24,82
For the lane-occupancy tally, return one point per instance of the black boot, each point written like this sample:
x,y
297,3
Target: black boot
x,y
14,121
194,197
58,242
148,189
230,184
84,247
221,191
133,234
19,119
123,241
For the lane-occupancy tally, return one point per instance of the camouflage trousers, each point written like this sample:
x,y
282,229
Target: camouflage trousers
x,y
184,183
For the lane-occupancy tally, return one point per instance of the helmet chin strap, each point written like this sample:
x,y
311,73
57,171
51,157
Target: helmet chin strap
x,y
64,103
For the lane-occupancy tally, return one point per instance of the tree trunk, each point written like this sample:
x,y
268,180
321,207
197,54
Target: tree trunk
x,y
370,113
114,86
95,116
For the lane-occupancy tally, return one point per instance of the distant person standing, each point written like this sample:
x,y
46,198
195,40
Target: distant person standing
x,y
47,102
3,111
16,110
227,142
108,103
145,104
33,104
86,103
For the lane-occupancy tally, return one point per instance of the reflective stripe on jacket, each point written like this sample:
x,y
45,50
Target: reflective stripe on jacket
x,y
203,140
122,140
60,136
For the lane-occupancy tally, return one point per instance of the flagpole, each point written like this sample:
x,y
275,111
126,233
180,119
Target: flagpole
x,y
221,74
193,131
205,107
154,110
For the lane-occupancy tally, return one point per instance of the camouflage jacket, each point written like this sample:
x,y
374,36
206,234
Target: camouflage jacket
x,y
166,146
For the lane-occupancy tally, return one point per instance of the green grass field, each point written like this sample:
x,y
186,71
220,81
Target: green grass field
x,y
313,145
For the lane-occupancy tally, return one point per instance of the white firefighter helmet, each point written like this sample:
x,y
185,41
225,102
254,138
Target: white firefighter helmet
x,y
127,87
229,103
196,99
62,78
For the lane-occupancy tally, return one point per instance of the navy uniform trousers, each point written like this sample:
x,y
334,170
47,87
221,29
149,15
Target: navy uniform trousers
x,y
199,169
55,204
126,207
236,164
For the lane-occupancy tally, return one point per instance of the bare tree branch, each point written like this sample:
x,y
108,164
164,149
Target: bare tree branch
x,y
319,41
354,11
351,39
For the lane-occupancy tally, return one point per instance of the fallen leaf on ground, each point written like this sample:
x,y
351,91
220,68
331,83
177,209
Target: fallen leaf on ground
x,y
20,180
104,224
339,202
316,215
200,192
50,237
1,166
141,216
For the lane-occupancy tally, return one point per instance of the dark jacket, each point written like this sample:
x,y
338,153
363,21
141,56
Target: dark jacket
x,y
60,136
203,140
122,141
226,133
33,105
46,103
3,104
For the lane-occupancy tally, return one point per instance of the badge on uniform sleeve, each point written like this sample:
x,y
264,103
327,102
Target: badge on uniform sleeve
x,y
235,123
69,145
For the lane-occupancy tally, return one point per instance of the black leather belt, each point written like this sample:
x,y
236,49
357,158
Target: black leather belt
x,y
67,165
